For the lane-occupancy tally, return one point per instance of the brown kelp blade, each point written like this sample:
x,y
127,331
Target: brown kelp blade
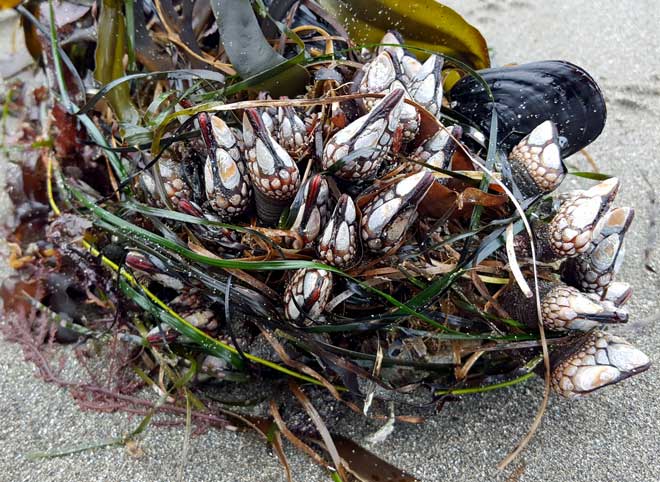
x,y
423,23
8,4
366,466
110,51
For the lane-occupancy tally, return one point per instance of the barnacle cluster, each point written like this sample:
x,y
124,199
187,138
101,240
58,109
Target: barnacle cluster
x,y
362,191
394,232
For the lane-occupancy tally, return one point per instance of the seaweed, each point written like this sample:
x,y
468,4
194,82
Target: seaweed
x,y
174,296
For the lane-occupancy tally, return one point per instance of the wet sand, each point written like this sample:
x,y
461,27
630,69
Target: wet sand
x,y
610,436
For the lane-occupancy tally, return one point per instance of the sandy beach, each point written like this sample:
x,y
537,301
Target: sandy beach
x,y
610,436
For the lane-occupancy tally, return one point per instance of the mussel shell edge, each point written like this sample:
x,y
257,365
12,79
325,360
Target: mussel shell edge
x,y
528,94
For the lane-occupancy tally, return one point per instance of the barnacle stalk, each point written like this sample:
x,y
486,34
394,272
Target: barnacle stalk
x,y
274,175
562,308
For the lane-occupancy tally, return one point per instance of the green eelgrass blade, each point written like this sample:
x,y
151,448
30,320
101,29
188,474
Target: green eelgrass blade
x,y
131,229
144,296
594,176
61,83
528,368
127,229
168,74
181,217
74,449
209,344
46,33
490,162
486,388
335,476
494,241
434,289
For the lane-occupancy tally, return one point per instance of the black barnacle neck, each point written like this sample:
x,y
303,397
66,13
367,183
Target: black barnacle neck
x,y
542,244
524,182
521,308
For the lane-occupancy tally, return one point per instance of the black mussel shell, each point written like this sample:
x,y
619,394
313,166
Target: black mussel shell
x,y
528,94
